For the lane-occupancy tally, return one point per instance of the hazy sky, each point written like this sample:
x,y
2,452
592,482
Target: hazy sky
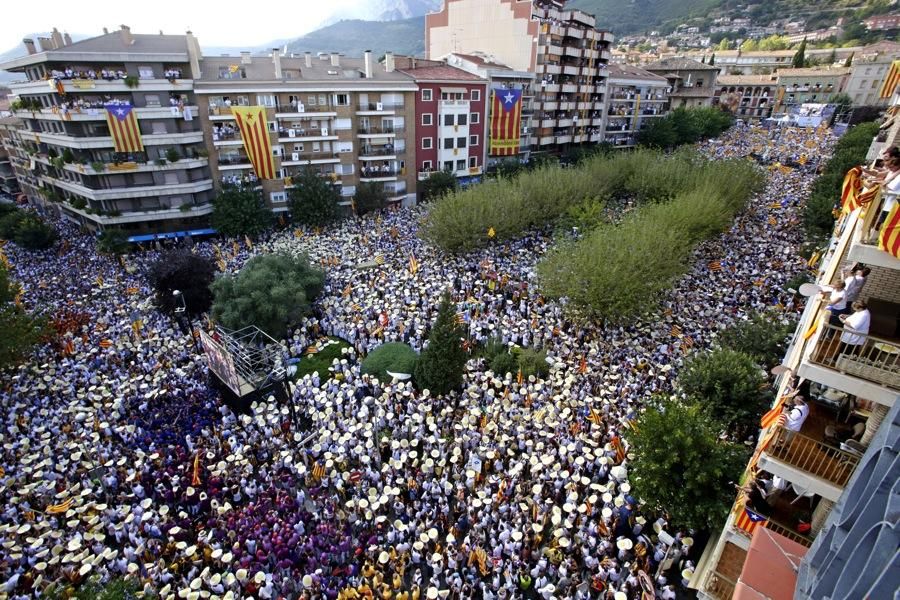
x,y
228,23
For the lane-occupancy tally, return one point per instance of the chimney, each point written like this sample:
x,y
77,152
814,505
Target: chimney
x,y
67,39
57,38
245,58
105,31
307,56
389,62
29,46
368,61
335,59
125,34
194,55
45,44
276,58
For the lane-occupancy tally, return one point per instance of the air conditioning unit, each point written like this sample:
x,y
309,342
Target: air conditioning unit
x,y
295,156
292,133
324,131
379,106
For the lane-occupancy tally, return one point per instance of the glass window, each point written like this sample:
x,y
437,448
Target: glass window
x,y
475,118
426,143
476,95
448,120
461,142
426,119
462,119
448,165
341,100
461,165
448,143
473,140
426,96
145,72
473,162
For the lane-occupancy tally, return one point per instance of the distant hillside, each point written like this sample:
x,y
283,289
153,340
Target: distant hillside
x,y
353,37
625,17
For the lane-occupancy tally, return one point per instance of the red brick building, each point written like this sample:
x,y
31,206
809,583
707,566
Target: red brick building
x,y
451,118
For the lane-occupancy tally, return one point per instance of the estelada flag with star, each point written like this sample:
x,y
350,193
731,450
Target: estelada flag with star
x,y
506,113
251,120
124,128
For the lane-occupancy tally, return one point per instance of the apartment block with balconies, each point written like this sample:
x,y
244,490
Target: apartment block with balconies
x,y
349,120
851,386
72,162
636,97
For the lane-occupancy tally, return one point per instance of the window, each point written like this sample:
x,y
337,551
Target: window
x,y
448,165
278,197
426,143
448,120
298,147
875,84
462,119
461,165
426,96
317,147
426,165
448,143
426,119
151,100
265,100
474,118
145,72
342,99
473,162
323,100
476,95
473,140
232,72
461,142
157,127
311,100
170,178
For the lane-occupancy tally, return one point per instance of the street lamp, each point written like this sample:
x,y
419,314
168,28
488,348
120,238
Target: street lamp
x,y
183,317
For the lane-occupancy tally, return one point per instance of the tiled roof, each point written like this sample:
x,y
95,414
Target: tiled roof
x,y
616,71
679,64
261,68
441,72
143,44
481,61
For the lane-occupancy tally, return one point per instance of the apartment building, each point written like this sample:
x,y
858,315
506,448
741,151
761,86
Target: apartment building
x,y
813,85
635,98
755,62
867,73
157,177
691,83
352,121
562,47
837,475
748,97
9,157
451,119
501,77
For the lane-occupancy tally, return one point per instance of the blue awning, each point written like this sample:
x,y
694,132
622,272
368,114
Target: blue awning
x,y
171,235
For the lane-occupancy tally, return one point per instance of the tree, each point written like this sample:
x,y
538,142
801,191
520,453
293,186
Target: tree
x,y
681,466
712,60
533,362
9,222
762,337
660,133
113,241
394,357
240,211
438,184
725,44
187,272
442,362
832,58
849,62
314,201
799,60
272,291
34,234
369,196
730,386
19,331
843,102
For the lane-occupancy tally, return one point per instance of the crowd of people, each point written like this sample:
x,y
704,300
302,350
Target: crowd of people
x,y
120,460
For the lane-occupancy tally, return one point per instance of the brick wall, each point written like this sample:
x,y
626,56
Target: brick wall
x,y
883,284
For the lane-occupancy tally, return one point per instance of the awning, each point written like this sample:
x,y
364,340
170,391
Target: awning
x,y
770,569
170,235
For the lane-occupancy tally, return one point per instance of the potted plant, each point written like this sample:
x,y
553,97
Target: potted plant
x,y
131,81
98,166
172,155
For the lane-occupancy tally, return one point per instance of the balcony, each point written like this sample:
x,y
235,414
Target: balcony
x,y
865,239
454,104
103,86
378,108
570,70
376,152
876,360
379,131
131,191
569,88
309,158
140,216
572,51
313,111
379,174
84,143
99,113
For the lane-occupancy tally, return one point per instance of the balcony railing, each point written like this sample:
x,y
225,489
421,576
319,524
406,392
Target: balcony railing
x,y
876,359
375,130
375,173
380,151
379,106
803,540
720,587
814,457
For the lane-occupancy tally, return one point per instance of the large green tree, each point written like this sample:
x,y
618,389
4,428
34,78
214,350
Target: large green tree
x,y
799,60
240,211
437,185
272,291
19,331
730,386
113,241
441,364
370,196
682,466
33,233
395,357
763,337
314,200
189,273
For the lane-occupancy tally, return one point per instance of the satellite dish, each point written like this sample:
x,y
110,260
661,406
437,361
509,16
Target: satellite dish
x,y
809,289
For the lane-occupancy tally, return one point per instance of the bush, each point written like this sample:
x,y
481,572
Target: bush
x,y
370,196
32,233
238,211
9,223
113,241
272,292
437,185
67,156
682,467
441,364
321,361
394,357
684,126
730,386
533,362
314,201
762,337
503,363
189,273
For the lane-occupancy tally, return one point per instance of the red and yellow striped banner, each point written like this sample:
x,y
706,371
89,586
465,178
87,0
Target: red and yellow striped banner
x,y
251,120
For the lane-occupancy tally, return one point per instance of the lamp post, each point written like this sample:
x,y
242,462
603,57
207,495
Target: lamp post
x,y
183,317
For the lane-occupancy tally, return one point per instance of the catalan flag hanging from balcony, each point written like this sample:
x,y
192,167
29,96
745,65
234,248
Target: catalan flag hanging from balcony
x,y
891,81
251,120
889,237
506,112
748,521
851,187
124,128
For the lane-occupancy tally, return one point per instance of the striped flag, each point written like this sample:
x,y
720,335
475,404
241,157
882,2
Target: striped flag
x,y
460,319
771,417
99,280
889,237
347,290
890,81
251,120
748,520
124,128
617,445
520,378
851,186
318,470
715,266
491,233
60,508
594,417
195,478
413,264
506,112
582,366
675,331
773,221
379,259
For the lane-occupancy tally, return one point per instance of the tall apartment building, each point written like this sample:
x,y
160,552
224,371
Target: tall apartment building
x,y
161,184
635,98
350,120
9,157
801,86
451,119
563,48
836,490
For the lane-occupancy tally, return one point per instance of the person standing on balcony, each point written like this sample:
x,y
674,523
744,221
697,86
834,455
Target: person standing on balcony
x,y
836,301
796,416
854,280
856,328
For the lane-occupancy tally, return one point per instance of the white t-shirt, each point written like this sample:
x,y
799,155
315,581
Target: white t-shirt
x,y
859,323
853,285
836,300
796,416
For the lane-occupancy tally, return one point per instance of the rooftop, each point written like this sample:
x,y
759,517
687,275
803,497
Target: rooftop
x,y
746,80
261,68
616,71
813,72
440,72
481,61
679,64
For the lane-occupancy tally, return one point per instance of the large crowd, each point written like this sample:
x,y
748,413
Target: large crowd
x,y
119,460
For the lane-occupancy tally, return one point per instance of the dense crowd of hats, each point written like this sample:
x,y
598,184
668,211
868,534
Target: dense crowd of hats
x,y
119,459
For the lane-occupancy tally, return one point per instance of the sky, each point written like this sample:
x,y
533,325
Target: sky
x,y
222,24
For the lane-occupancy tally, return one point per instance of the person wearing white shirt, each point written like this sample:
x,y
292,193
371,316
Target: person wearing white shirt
x,y
856,328
836,302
